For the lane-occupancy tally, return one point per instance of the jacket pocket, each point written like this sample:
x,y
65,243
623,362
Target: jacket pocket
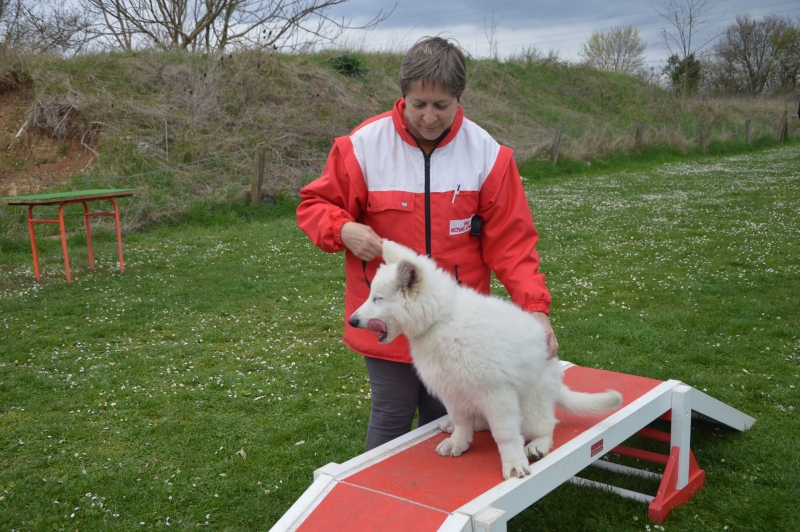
x,y
394,200
391,215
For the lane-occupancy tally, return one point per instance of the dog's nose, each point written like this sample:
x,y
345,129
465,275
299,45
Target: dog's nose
x,y
353,321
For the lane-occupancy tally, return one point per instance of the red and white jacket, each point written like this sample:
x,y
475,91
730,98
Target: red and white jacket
x,y
379,176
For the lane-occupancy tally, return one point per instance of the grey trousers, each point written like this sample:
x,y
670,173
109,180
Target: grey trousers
x,y
397,393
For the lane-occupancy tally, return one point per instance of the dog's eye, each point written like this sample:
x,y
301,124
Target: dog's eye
x,y
375,299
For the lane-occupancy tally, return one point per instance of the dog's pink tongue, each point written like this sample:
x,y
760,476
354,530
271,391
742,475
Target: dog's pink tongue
x,y
376,325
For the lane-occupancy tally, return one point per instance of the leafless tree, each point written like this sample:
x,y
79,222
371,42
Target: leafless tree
x,y
618,49
56,27
490,30
45,26
688,32
215,25
786,44
745,54
10,23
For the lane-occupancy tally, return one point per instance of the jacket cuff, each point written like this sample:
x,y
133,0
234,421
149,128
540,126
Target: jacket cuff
x,y
336,229
536,306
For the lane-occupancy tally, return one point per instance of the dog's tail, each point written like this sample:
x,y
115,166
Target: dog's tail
x,y
588,403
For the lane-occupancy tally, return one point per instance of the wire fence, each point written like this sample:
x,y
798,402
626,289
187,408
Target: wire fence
x,y
168,193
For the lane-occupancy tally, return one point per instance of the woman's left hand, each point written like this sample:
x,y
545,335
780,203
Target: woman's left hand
x,y
550,335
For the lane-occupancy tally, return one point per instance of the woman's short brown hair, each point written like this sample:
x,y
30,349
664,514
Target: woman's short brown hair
x,y
434,60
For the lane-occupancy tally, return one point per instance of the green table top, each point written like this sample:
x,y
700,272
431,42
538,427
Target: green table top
x,y
58,197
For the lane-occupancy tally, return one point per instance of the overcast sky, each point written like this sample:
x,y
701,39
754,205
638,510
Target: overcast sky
x,y
545,24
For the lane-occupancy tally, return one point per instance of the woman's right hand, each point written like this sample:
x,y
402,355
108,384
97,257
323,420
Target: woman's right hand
x,y
361,240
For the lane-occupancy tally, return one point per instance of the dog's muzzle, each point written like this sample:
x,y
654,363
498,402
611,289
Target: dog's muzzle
x,y
373,325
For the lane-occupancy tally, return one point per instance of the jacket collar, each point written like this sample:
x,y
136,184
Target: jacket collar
x,y
402,130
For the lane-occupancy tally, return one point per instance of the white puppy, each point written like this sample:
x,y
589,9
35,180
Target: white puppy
x,y
484,357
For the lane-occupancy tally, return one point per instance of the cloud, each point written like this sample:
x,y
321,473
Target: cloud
x,y
546,25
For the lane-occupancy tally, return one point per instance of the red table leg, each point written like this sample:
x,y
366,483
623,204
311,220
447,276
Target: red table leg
x,y
33,244
119,235
88,235
64,240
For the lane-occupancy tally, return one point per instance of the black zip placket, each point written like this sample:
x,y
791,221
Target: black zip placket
x,y
427,198
427,156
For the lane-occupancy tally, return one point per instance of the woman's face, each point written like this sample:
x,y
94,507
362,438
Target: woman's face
x,y
430,110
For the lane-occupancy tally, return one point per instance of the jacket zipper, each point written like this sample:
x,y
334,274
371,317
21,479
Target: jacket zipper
x,y
427,200
427,156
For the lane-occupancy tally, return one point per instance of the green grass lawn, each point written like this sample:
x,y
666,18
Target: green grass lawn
x,y
204,386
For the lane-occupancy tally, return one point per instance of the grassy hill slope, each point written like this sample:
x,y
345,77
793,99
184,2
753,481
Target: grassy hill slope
x,y
115,114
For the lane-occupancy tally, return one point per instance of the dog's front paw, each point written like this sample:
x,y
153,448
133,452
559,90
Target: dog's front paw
x,y
446,426
517,469
450,447
539,448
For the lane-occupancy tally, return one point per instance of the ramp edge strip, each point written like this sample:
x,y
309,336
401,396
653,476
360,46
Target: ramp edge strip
x,y
306,504
378,454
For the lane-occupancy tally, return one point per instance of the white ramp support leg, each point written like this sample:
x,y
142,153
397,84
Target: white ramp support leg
x,y
491,520
406,486
720,412
681,430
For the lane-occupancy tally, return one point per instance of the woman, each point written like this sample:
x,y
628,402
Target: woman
x,y
425,177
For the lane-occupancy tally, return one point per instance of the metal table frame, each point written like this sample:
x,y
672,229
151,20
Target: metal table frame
x,y
62,199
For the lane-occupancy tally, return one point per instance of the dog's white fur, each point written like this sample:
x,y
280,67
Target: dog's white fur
x,y
484,357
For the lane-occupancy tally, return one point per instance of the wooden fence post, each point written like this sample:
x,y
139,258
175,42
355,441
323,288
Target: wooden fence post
x,y
257,176
783,128
748,131
639,132
556,143
703,135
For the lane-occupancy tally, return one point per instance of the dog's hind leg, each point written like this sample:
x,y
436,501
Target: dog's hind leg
x,y
462,434
502,411
538,426
538,416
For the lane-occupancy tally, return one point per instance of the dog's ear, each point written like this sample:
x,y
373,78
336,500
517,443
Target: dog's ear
x,y
392,252
407,275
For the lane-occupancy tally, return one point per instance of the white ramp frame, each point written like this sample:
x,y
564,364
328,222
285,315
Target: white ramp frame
x,y
457,523
327,476
491,511
681,430
622,492
491,520
625,470
302,508
515,495
720,412
378,454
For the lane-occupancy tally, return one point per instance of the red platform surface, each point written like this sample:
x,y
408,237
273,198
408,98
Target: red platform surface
x,y
434,485
350,508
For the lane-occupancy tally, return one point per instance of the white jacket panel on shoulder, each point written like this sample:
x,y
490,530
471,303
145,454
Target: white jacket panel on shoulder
x,y
390,163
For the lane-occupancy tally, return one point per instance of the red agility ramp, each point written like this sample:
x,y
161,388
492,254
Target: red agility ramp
x,y
405,485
